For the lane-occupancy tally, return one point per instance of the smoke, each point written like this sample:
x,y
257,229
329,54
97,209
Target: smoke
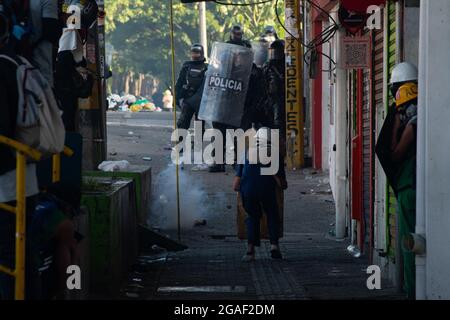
x,y
193,200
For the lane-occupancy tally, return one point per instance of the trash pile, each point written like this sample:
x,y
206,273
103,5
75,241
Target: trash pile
x,y
131,103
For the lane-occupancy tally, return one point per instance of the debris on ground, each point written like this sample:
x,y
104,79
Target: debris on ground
x,y
147,158
110,166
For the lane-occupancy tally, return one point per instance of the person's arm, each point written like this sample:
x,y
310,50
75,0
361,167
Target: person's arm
x,y
239,173
51,26
179,90
400,149
396,131
238,177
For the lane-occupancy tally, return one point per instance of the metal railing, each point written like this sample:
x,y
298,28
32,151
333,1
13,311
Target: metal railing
x,y
22,153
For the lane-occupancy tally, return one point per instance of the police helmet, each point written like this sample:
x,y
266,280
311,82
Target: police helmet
x,y
276,50
237,33
198,48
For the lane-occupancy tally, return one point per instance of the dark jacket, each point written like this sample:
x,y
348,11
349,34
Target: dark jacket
x,y
183,88
253,182
8,109
275,87
244,43
255,101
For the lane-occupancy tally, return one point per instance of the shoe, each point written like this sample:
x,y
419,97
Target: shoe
x,y
249,256
217,168
276,254
200,167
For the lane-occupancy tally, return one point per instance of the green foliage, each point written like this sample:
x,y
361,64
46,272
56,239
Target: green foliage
x,y
139,30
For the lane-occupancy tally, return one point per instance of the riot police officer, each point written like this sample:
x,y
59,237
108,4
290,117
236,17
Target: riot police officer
x,y
275,76
189,86
237,37
270,34
274,110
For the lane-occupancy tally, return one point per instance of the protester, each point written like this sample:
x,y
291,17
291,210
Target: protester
x,y
8,108
396,150
404,140
258,192
73,81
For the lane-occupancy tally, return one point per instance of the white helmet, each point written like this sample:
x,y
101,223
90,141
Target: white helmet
x,y
403,72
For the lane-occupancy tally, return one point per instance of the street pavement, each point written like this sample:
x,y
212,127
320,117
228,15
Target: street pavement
x,y
315,265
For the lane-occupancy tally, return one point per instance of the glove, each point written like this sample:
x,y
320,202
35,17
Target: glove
x,y
18,32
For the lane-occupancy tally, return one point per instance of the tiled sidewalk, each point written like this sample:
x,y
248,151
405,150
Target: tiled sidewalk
x,y
315,266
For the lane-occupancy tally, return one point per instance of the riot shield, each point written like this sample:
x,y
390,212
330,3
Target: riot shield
x,y
261,49
226,84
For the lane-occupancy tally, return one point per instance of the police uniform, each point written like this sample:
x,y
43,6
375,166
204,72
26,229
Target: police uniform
x,y
244,43
274,80
189,90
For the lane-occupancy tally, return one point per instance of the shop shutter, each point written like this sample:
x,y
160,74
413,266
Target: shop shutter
x,y
367,153
372,99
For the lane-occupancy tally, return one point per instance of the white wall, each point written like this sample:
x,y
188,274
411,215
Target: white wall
x,y
326,107
433,171
341,131
330,87
411,25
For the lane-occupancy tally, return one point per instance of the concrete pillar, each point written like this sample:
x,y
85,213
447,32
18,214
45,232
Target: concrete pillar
x,y
433,168
341,142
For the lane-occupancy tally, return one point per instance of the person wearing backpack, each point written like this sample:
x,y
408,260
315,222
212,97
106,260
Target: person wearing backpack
x,y
35,30
8,108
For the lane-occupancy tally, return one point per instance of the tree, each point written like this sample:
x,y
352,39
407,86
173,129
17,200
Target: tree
x,y
139,30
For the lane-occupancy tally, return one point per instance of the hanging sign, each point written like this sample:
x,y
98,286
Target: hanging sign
x,y
294,86
352,21
360,6
356,53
